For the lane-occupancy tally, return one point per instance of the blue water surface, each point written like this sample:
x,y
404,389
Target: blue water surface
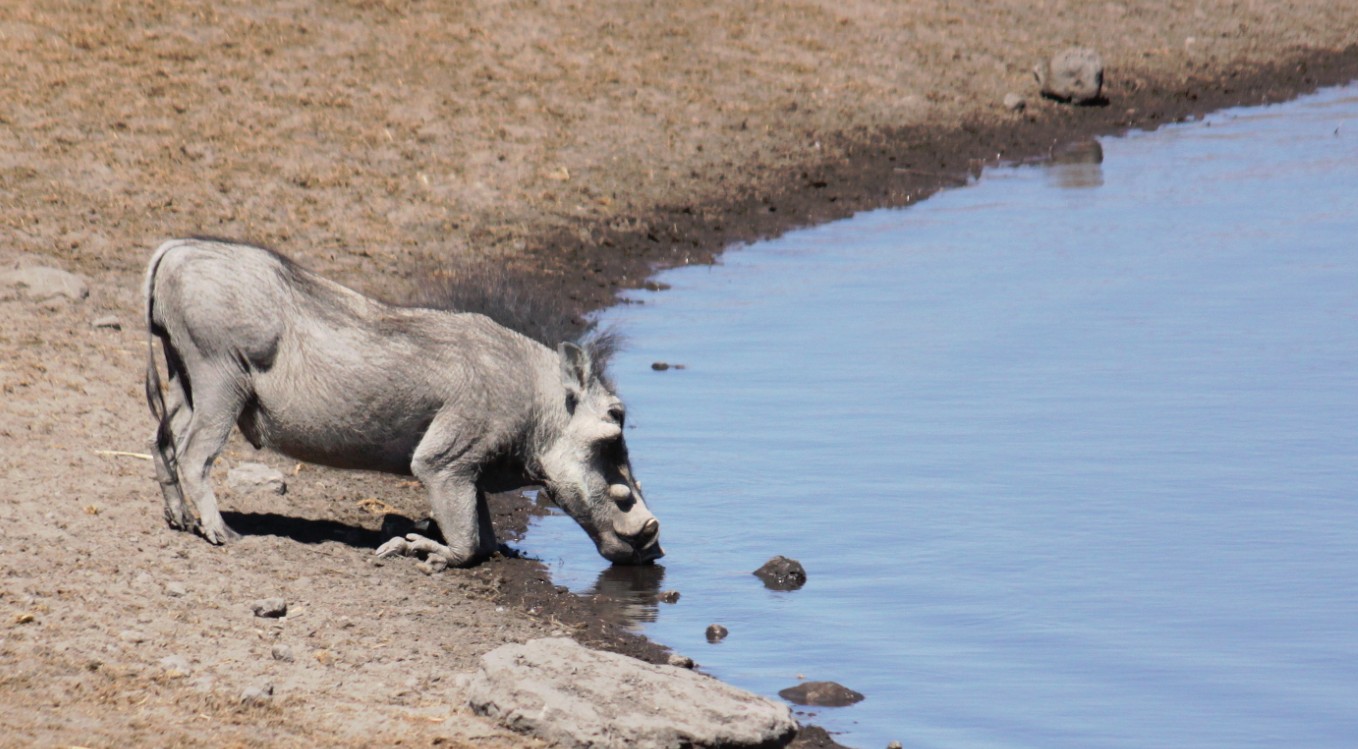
x,y
1070,454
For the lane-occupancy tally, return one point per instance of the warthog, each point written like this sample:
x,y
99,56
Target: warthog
x,y
319,372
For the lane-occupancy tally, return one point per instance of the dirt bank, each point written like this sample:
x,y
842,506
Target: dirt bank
x,y
378,141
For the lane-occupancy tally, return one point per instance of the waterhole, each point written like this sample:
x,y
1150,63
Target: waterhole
x,y
1070,455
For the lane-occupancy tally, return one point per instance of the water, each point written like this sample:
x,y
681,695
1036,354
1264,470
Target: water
x,y
1070,455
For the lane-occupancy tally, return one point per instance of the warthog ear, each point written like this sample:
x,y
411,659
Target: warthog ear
x,y
576,367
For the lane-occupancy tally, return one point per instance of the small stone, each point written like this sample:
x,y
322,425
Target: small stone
x,y
1015,102
660,366
108,322
781,573
282,652
894,745
132,636
257,695
248,478
1074,75
176,589
175,666
716,633
669,596
680,661
820,694
270,608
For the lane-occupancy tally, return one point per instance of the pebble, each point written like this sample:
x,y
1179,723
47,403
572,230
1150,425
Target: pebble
x,y
248,478
716,633
282,652
257,695
108,322
176,589
176,665
894,745
132,636
270,608
1015,102
681,661
669,596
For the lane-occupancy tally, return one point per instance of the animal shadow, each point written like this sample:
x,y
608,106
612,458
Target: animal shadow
x,y
307,530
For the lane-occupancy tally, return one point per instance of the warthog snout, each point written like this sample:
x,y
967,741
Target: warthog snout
x,y
649,531
637,542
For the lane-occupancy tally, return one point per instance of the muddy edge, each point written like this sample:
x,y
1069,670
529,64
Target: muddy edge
x,y
880,169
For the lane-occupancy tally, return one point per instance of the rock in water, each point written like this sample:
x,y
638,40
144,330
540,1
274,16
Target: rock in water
x,y
247,478
716,633
569,695
781,573
820,694
1075,75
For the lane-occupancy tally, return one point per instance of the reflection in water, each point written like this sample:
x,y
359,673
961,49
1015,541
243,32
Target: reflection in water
x,y
1077,166
634,588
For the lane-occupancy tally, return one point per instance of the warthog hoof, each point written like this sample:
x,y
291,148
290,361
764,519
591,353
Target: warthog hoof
x,y
218,533
438,556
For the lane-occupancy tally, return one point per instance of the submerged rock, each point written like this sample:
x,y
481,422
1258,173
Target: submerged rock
x,y
571,696
716,633
781,573
820,694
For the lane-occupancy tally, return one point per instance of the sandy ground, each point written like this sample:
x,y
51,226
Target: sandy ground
x,y
583,144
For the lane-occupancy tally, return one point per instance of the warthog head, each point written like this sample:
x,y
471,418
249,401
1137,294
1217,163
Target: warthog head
x,y
587,472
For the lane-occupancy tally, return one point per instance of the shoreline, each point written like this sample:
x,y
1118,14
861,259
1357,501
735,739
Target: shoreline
x,y
380,143
899,167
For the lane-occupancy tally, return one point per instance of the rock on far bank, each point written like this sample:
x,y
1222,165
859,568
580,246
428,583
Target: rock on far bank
x,y
566,694
1074,75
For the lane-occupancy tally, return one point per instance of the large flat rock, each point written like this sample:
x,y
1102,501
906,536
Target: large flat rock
x,y
567,694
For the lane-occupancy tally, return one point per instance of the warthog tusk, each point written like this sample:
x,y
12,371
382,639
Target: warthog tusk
x,y
619,492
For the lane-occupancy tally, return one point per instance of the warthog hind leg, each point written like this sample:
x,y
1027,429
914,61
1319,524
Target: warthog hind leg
x,y
214,415
178,513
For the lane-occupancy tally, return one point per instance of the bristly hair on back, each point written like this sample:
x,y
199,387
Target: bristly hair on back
x,y
521,301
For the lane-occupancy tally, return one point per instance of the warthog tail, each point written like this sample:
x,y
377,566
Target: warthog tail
x,y
155,392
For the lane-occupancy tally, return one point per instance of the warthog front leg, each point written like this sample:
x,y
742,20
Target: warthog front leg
x,y
464,518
